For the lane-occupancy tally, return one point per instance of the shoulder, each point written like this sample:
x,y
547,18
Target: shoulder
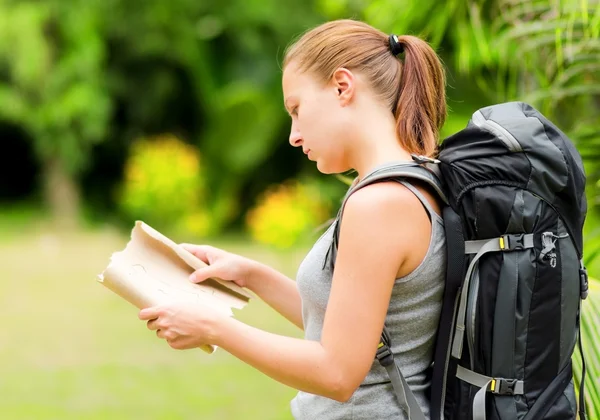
x,y
389,223
375,210
386,199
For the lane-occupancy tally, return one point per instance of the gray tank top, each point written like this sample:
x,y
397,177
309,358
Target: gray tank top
x,y
411,319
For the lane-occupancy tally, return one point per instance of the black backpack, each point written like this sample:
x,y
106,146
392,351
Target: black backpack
x,y
514,188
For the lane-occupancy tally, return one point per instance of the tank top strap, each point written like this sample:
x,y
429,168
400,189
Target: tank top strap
x,y
432,213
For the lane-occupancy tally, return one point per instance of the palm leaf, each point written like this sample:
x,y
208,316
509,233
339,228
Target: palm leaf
x,y
590,332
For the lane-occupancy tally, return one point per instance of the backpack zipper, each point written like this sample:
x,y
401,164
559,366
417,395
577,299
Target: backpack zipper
x,y
493,127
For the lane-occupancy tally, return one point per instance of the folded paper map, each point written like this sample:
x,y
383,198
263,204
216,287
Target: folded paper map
x,y
153,270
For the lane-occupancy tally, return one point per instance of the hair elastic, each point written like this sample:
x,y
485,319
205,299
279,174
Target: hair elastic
x,y
395,46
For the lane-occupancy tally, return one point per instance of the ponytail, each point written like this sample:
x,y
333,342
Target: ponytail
x,y
420,109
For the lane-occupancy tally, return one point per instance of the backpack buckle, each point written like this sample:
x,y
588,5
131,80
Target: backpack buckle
x,y
517,241
501,386
512,242
583,279
384,355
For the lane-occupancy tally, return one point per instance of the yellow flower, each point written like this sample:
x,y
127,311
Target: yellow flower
x,y
163,184
285,214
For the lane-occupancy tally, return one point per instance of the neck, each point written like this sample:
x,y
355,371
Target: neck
x,y
377,144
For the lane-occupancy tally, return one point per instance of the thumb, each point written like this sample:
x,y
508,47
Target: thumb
x,y
204,273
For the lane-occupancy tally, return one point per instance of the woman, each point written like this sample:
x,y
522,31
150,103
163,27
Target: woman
x,y
358,99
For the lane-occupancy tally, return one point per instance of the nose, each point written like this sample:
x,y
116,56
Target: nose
x,y
295,136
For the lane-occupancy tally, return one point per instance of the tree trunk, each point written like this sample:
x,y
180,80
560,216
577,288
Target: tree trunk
x,y
61,194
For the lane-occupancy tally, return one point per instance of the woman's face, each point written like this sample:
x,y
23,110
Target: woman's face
x,y
320,123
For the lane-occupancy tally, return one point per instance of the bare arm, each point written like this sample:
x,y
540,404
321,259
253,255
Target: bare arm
x,y
361,289
360,292
278,291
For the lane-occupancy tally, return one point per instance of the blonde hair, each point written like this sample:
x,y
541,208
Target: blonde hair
x,y
413,88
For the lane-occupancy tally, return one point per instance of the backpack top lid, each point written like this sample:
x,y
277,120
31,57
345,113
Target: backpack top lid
x,y
513,144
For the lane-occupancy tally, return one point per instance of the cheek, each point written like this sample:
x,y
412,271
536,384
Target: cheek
x,y
320,126
320,114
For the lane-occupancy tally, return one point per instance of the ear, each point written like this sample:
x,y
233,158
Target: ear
x,y
344,83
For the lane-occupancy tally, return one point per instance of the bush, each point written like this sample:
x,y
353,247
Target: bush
x,y
287,213
163,186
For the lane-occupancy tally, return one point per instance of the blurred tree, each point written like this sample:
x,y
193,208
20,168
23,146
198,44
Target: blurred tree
x,y
227,55
51,58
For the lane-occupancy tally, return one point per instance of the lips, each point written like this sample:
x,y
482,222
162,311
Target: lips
x,y
306,152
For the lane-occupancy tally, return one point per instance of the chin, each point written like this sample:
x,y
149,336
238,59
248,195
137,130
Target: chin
x,y
329,169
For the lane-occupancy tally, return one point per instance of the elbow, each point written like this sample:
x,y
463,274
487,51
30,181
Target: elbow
x,y
343,395
341,388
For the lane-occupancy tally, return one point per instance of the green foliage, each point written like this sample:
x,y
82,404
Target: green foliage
x,y
164,187
590,330
52,55
223,58
558,48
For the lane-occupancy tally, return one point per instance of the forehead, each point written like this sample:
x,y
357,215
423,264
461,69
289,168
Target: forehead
x,y
294,80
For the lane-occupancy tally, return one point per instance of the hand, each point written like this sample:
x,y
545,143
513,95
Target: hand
x,y
183,325
221,264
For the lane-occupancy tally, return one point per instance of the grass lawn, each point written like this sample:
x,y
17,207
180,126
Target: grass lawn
x,y
71,349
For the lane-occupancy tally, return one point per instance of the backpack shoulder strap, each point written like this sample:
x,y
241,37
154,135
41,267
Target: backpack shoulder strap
x,y
426,172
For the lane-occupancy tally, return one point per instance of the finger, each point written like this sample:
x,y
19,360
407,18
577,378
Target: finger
x,y
207,272
199,251
167,335
149,313
153,324
177,344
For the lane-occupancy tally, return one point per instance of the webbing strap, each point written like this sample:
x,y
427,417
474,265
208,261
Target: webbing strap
x,y
477,379
407,399
405,396
500,386
479,403
473,247
443,363
482,247
582,410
